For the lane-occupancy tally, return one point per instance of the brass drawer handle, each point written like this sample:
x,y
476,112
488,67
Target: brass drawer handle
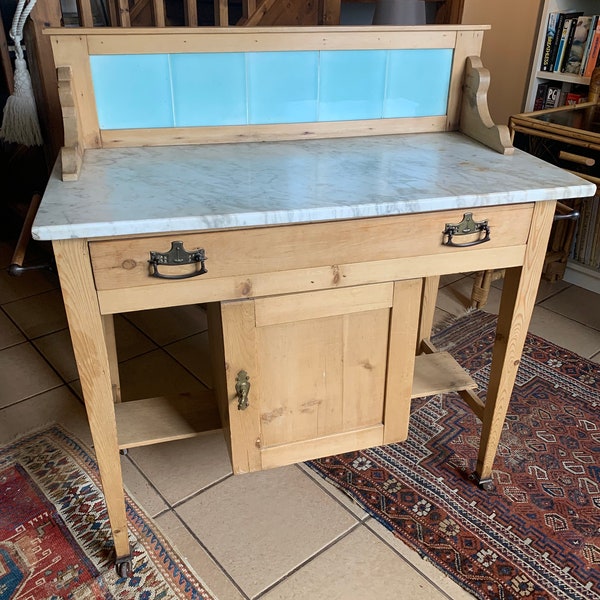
x,y
465,227
177,255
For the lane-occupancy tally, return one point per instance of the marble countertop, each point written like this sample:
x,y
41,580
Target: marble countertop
x,y
181,188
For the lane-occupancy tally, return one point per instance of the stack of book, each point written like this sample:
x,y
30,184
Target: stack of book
x,y
586,249
572,43
551,94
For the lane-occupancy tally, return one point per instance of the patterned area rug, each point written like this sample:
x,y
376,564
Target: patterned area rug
x,y
54,535
537,536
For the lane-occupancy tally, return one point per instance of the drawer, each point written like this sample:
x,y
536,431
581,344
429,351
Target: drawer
x,y
241,253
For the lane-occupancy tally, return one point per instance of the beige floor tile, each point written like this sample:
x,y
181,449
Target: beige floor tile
x,y
548,289
450,279
578,304
56,406
193,353
456,298
358,566
58,350
24,373
181,468
426,568
357,510
197,558
596,358
565,332
261,526
9,334
38,315
131,341
140,489
155,374
28,284
167,325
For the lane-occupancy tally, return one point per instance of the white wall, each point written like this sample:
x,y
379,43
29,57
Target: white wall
x,y
507,50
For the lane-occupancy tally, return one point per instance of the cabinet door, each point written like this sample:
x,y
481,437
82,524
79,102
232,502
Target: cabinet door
x,y
317,365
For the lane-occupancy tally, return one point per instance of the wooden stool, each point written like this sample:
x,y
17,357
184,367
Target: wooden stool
x,y
559,248
481,286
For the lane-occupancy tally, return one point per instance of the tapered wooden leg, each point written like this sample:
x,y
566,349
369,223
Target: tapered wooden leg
x,y
518,299
89,345
404,329
429,298
108,323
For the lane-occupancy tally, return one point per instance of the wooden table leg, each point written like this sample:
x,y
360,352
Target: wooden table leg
x,y
429,298
404,329
518,299
89,346
108,323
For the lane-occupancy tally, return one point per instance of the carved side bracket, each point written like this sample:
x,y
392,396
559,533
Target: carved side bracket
x,y
71,154
475,119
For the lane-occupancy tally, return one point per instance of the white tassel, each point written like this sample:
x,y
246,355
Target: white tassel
x,y
20,122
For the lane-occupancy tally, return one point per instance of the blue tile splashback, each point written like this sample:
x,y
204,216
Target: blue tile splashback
x,y
238,88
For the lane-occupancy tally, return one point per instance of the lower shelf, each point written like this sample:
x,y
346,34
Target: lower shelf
x,y
166,418
438,373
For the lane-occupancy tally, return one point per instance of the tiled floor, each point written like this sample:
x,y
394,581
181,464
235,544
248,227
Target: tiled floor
x,y
278,534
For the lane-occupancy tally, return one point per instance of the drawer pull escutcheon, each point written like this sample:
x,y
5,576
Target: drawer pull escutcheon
x,y
242,389
177,255
465,227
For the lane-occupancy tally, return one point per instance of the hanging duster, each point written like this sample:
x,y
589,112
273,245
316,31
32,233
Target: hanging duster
x,y
20,120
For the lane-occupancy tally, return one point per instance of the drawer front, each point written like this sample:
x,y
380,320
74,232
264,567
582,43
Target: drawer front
x,y
242,253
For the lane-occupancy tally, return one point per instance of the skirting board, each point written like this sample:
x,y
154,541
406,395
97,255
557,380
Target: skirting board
x,y
583,276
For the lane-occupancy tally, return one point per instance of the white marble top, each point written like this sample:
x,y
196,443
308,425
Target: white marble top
x,y
180,188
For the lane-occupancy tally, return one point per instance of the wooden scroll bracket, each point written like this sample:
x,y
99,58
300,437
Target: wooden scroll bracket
x,y
475,119
71,154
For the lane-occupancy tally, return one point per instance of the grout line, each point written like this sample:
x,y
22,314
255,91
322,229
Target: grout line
x,y
425,576
308,560
209,553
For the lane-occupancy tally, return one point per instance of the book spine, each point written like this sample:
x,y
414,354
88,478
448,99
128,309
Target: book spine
x,y
588,43
568,45
540,96
562,45
550,37
593,54
560,23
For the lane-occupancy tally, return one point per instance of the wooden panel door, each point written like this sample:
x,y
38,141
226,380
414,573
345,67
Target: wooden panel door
x,y
317,364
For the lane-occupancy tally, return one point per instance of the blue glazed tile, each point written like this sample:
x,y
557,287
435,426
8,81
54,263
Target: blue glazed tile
x,y
282,86
352,84
417,83
209,89
123,84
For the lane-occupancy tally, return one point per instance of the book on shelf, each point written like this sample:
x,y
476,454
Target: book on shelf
x,y
563,44
540,96
553,95
593,51
574,98
563,24
586,247
575,48
588,43
550,36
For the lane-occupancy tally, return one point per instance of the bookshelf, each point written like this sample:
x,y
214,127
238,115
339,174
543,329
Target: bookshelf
x,y
589,7
576,272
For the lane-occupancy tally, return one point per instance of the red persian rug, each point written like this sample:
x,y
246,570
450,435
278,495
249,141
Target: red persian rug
x,y
54,535
537,536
